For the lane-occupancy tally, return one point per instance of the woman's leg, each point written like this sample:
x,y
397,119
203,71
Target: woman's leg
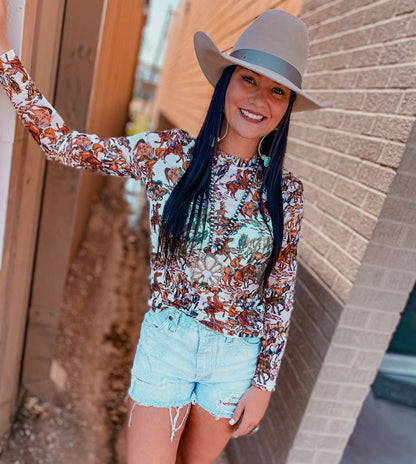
x,y
203,438
150,431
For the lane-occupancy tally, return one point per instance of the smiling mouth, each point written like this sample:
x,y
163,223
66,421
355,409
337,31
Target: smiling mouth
x,y
252,117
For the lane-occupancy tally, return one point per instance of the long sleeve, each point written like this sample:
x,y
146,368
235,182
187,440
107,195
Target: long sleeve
x,y
132,156
279,294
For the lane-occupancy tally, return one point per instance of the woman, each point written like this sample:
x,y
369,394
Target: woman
x,y
225,222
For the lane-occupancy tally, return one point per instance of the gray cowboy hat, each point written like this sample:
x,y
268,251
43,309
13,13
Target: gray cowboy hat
x,y
275,45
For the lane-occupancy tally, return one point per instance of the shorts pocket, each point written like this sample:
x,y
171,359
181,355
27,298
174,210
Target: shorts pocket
x,y
157,320
251,340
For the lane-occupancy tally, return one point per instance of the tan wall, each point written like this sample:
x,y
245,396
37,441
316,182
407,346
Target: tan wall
x,y
357,250
40,52
65,196
91,61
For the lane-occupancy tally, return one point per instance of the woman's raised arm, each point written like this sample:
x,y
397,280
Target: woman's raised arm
x,y
133,156
120,156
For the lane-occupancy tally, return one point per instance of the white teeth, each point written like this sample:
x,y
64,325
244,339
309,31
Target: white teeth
x,y
251,115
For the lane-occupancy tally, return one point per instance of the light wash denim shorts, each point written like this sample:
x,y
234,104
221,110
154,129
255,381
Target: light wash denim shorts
x,y
179,361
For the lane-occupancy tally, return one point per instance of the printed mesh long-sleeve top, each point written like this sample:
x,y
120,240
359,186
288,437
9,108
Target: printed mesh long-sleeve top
x,y
222,294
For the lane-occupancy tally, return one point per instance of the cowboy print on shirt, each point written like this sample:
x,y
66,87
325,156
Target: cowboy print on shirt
x,y
221,293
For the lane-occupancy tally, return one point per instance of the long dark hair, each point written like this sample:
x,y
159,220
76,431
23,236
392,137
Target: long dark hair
x,y
186,206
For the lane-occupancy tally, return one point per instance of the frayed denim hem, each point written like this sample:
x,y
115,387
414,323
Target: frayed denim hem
x,y
174,415
214,414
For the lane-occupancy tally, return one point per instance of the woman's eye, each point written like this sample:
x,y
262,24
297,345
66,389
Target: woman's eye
x,y
249,79
278,91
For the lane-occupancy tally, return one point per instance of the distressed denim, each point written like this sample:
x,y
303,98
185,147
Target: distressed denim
x,y
179,361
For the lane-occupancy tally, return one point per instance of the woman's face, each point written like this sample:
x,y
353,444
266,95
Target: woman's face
x,y
254,104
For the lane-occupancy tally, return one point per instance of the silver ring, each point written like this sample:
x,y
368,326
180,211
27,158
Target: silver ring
x,y
251,431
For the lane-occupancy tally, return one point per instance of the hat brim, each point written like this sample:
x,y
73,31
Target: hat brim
x,y
213,63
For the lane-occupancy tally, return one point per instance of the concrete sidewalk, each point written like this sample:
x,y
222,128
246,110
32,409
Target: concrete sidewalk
x,y
385,433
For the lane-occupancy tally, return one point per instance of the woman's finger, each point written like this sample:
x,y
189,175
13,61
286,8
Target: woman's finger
x,y
245,427
237,413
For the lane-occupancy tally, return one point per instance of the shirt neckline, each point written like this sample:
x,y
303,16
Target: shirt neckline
x,y
222,157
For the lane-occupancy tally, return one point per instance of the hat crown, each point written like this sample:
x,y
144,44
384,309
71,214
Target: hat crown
x,y
280,34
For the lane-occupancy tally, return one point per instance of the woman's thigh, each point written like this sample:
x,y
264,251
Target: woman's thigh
x,y
203,438
149,435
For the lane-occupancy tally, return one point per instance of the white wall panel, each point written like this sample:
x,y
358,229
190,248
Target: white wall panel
x,y
16,10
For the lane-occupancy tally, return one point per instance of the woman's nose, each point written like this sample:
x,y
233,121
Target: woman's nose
x,y
257,95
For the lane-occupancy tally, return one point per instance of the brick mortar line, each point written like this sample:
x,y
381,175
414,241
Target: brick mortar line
x,y
365,113
316,326
380,290
354,306
317,9
365,28
331,241
319,278
356,352
324,337
341,153
303,308
348,156
315,450
323,148
333,268
343,131
294,370
343,383
375,332
312,295
370,138
294,423
363,331
319,450
328,239
363,162
299,353
344,51
344,177
358,70
376,266
312,454
334,19
338,219
367,91
376,312
336,417
329,432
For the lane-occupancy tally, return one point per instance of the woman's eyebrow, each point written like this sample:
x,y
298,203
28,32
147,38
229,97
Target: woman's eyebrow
x,y
254,72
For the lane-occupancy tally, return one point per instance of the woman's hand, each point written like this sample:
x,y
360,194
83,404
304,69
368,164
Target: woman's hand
x,y
4,41
250,409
